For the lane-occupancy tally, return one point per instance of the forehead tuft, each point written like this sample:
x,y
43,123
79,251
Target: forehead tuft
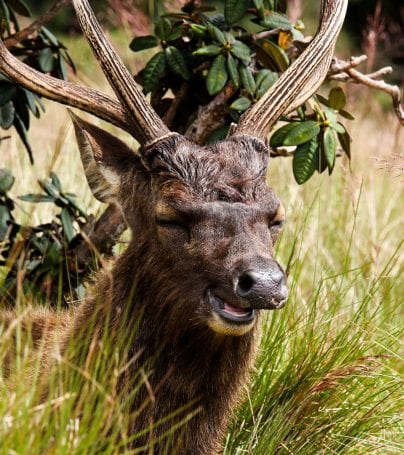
x,y
232,170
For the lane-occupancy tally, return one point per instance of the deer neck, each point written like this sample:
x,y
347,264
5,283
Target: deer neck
x,y
187,366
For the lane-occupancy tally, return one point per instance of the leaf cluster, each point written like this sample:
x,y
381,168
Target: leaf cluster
x,y
43,254
245,47
315,136
43,52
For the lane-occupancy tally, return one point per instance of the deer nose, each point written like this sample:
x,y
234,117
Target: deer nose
x,y
263,288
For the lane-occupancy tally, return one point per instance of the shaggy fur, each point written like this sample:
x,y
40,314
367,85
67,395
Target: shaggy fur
x,y
197,216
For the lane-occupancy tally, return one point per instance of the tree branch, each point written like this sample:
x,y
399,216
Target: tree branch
x,y
25,33
345,71
211,116
103,236
172,110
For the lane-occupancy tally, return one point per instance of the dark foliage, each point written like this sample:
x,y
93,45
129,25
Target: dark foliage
x,y
41,258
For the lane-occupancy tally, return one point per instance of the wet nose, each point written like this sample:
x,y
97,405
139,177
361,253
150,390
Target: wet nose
x,y
263,287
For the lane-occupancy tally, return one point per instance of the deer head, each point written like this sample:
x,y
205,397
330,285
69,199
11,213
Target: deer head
x,y
205,212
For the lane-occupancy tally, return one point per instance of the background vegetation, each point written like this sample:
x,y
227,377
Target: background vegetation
x,y
328,379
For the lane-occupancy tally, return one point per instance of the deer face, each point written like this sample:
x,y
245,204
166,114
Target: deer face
x,y
202,207
209,216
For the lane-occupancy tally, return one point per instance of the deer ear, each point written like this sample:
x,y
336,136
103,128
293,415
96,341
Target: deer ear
x,y
104,158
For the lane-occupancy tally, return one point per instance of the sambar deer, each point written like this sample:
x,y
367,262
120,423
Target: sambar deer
x,y
200,267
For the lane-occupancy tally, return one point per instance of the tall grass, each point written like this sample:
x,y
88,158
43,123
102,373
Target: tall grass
x,y
328,376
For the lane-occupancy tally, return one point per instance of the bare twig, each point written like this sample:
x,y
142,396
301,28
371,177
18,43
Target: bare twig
x,y
103,236
33,28
392,90
340,66
172,110
381,72
211,116
345,71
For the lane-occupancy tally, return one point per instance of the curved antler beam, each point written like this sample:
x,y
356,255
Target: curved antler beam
x,y
301,79
85,99
145,120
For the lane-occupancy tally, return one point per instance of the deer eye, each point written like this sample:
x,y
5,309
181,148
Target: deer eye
x,y
167,223
276,224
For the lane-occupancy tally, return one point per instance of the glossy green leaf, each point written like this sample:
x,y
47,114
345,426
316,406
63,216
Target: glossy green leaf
x,y
264,80
279,135
4,18
23,133
232,69
276,54
322,162
217,75
346,114
297,35
338,127
72,198
247,79
50,36
241,104
5,217
6,180
163,28
56,181
67,222
46,60
153,71
143,42
175,34
345,141
20,7
322,100
30,97
31,197
229,37
234,10
337,98
211,49
219,134
62,69
7,113
330,148
51,189
198,30
176,62
276,20
7,92
219,21
260,76
302,132
216,33
241,51
32,265
305,160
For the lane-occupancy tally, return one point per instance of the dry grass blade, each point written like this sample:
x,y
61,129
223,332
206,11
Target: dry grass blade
x,y
362,366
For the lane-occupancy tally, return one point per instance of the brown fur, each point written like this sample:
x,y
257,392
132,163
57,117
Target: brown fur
x,y
224,209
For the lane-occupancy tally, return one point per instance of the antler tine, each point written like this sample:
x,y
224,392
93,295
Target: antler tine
x,y
89,100
301,79
145,120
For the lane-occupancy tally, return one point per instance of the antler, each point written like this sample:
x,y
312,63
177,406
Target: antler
x,y
133,113
145,120
301,79
86,99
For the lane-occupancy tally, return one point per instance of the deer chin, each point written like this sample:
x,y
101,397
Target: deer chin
x,y
227,319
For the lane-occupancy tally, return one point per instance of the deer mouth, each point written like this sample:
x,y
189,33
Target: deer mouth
x,y
229,319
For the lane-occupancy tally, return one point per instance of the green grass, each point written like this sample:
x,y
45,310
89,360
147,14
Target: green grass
x,y
328,377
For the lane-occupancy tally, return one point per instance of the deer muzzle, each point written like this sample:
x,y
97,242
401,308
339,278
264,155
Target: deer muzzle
x,y
262,287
